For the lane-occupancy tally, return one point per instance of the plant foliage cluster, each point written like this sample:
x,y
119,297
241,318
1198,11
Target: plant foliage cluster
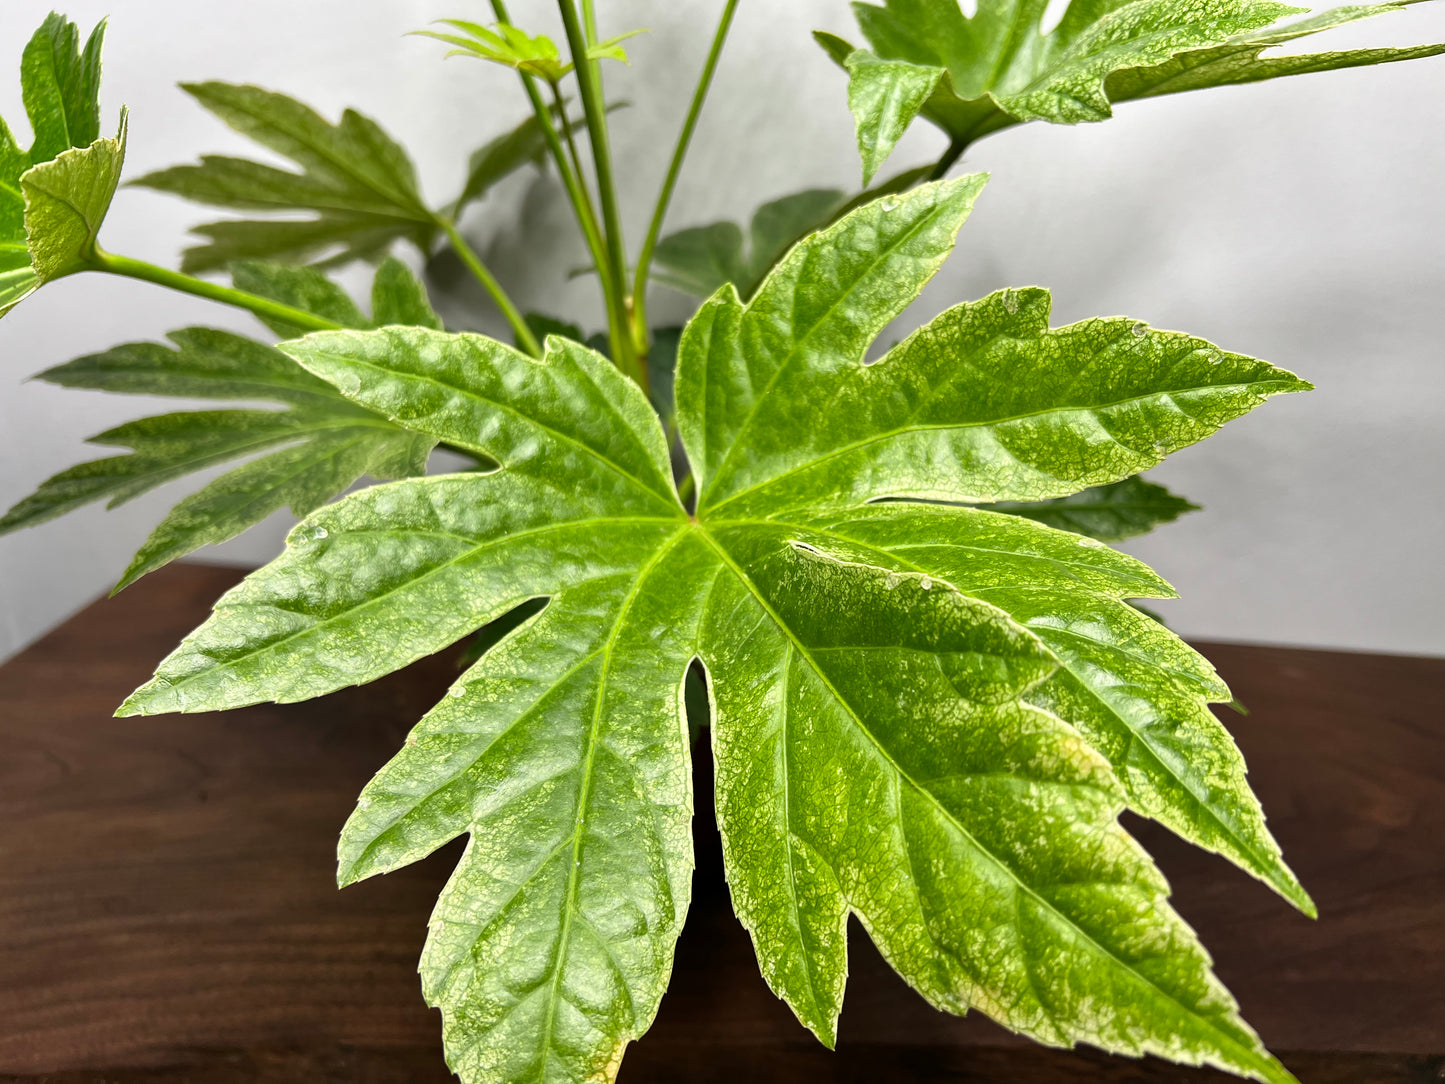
x,y
929,692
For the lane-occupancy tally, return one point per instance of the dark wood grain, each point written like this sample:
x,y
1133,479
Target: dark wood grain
x,y
168,913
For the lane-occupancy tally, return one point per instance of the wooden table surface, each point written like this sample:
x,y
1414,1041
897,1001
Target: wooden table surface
x,y
168,910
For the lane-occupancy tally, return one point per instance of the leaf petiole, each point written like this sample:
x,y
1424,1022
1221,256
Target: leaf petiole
x,y
574,183
213,291
489,282
578,171
644,260
625,347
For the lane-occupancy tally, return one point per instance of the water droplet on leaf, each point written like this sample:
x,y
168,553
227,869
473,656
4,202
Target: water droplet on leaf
x,y
926,582
1010,301
889,203
1140,330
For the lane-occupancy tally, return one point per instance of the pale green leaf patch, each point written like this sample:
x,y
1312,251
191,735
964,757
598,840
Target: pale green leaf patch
x,y
885,96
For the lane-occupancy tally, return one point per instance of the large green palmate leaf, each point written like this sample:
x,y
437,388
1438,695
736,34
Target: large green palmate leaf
x,y
973,75
54,196
303,456
356,184
925,715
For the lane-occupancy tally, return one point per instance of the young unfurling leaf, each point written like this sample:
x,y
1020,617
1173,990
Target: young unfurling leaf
x,y
54,197
514,48
927,715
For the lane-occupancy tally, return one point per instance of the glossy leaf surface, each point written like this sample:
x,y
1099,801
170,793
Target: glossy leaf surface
x,y
974,74
926,715
356,184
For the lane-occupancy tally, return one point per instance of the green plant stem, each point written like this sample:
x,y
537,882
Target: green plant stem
x,y
479,270
576,155
625,349
175,280
699,96
950,156
581,202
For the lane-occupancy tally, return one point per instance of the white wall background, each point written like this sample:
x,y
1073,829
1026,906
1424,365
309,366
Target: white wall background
x,y
1298,221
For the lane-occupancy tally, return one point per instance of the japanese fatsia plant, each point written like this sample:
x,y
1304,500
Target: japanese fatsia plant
x,y
883,583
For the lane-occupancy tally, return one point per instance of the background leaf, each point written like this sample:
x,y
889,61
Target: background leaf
x,y
1109,513
60,86
356,182
313,451
885,96
500,157
701,259
996,68
397,295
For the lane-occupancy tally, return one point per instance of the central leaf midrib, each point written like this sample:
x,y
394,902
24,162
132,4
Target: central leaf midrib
x,y
1193,1013
788,834
569,910
985,424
